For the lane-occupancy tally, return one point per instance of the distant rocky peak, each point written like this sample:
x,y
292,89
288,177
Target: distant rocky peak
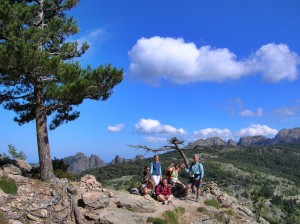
x,y
257,140
287,136
80,162
119,159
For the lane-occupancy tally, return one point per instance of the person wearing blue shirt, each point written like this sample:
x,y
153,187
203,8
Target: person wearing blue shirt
x,y
196,172
155,170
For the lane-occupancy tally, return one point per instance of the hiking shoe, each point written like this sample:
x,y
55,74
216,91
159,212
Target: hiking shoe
x,y
197,199
163,202
168,202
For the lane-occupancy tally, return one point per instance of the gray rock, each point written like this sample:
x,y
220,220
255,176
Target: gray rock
x,y
122,216
258,140
287,136
95,200
80,162
10,169
136,203
231,142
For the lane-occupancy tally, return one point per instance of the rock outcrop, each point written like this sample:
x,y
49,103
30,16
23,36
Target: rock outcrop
x,y
87,202
212,141
80,162
283,136
287,136
119,159
258,140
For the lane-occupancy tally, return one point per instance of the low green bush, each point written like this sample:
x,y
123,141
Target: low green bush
x,y
156,220
171,217
200,209
212,202
8,186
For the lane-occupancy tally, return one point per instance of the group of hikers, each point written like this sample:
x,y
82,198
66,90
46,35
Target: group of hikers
x,y
153,182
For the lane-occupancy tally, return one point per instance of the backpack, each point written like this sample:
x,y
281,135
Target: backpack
x,y
134,191
168,174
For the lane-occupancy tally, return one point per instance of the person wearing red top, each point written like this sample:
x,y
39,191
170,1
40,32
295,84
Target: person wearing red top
x,y
163,192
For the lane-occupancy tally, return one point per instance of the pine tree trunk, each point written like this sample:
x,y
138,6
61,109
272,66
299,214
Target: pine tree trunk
x,y
42,137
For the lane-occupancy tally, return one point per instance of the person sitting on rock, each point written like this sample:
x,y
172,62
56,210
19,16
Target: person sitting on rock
x,y
174,175
147,182
163,192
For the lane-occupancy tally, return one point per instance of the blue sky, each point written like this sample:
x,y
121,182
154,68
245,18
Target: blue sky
x,y
192,69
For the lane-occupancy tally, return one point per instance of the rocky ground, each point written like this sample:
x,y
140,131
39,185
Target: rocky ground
x,y
61,201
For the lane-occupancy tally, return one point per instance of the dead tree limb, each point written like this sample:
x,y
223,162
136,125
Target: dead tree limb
x,y
174,145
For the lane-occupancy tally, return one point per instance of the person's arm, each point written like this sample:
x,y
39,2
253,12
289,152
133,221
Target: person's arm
x,y
170,166
169,191
160,171
187,169
151,168
202,169
158,190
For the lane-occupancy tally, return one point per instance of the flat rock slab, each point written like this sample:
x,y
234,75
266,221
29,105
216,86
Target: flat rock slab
x,y
136,203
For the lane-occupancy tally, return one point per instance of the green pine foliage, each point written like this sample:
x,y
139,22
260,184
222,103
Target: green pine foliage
x,y
39,73
61,169
14,153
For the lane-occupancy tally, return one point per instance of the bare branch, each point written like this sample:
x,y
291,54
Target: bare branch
x,y
174,145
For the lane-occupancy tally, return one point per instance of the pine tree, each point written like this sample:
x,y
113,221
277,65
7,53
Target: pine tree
x,y
38,72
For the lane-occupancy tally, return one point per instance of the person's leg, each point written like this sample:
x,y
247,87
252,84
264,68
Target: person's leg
x,y
156,180
187,190
197,190
145,190
169,197
161,198
151,186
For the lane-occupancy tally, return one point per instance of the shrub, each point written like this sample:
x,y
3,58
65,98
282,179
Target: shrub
x,y
179,210
200,209
8,186
212,202
156,220
61,169
171,217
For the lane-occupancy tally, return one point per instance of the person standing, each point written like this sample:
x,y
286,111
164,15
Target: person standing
x,y
196,172
163,192
155,170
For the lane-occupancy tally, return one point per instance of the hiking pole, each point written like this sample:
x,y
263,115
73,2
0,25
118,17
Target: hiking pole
x,y
171,202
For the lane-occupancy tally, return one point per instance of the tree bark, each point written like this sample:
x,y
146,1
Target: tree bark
x,y
186,161
42,136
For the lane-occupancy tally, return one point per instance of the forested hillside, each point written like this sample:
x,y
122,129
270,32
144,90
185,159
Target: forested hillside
x,y
266,178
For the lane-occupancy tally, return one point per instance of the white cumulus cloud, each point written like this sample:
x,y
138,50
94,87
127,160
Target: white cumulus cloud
x,y
115,128
164,58
257,129
150,126
276,62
